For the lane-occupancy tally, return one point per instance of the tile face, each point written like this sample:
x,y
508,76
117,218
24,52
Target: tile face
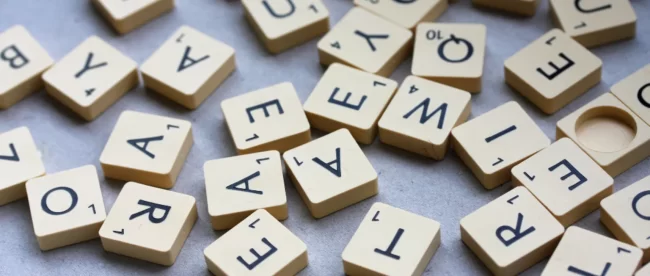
x,y
331,173
147,148
237,186
391,241
259,245
520,7
188,67
452,54
565,180
645,271
20,161
552,71
405,13
420,117
491,144
349,98
148,223
267,119
634,92
66,207
365,41
91,78
128,15
511,233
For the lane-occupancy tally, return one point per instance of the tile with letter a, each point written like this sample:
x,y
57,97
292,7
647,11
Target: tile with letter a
x,y
331,173
582,252
91,78
565,179
237,186
126,15
22,61
20,161
188,67
511,233
366,41
420,117
148,223
405,13
491,144
267,119
520,7
552,71
349,98
148,149
634,92
66,207
391,241
259,245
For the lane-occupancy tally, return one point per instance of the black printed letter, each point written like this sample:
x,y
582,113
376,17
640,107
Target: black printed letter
x,y
572,171
73,201
345,103
245,181
292,9
16,60
260,258
143,149
425,115
328,165
190,61
558,70
516,232
152,208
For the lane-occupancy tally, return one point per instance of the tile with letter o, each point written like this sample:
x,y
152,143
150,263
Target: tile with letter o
x,y
20,160
519,7
125,16
405,13
634,92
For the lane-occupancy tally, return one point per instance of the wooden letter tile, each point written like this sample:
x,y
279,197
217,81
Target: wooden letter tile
x,y
20,161
634,92
406,14
520,7
128,15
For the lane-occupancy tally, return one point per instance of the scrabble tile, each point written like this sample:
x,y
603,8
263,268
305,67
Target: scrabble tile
x,y
565,180
148,223
259,245
146,148
66,207
511,233
519,7
91,78
128,15
405,13
20,161
552,71
645,271
22,61
365,41
420,117
609,132
583,252
634,92
331,173
267,119
349,98
391,241
494,142
237,186
452,54
188,67
282,24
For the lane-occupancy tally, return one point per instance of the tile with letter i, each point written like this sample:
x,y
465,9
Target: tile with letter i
x,y
519,7
20,160
149,149
127,15
405,13
259,245
148,223
366,41
349,98
634,92
331,173
391,241
552,71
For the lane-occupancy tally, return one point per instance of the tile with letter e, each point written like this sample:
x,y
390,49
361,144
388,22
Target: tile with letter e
x,y
188,67
520,7
552,71
494,142
146,148
405,13
331,173
366,41
22,61
421,116
128,15
259,245
66,207
148,223
634,92
511,233
91,78
349,98
391,241
20,160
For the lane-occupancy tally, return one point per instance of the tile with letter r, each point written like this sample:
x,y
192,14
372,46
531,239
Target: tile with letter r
x,y
126,15
20,160
634,92
518,7
405,13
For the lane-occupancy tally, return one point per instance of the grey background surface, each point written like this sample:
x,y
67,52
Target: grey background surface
x,y
445,191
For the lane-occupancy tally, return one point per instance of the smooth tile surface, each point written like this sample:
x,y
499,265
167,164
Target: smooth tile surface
x,y
125,16
20,160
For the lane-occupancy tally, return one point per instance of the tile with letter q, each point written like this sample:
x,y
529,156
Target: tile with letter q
x,y
405,13
20,161
125,16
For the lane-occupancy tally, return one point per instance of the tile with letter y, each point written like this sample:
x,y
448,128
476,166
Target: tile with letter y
x,y
519,7
128,15
20,160
405,13
634,92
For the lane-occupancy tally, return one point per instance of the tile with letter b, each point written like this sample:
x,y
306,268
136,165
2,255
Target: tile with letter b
x,y
634,92
20,160
519,7
331,173
391,241
148,223
146,148
405,13
128,15
552,71
511,233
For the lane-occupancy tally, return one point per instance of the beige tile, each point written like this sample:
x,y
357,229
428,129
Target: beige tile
x,y
644,271
634,92
128,15
20,161
519,7
406,14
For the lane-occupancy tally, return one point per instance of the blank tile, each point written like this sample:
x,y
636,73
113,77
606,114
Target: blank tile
x,y
634,92
519,7
128,15
644,271
20,161
406,14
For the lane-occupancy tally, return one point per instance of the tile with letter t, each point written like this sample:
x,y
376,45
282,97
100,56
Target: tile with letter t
x,y
91,78
519,7
366,41
259,245
148,223
331,173
405,13
511,233
391,241
552,71
634,92
349,98
127,15
146,148
20,160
